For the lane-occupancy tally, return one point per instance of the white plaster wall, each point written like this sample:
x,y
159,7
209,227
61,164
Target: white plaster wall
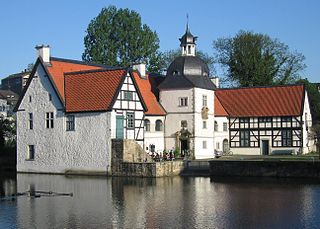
x,y
203,134
169,99
308,144
58,150
154,137
220,135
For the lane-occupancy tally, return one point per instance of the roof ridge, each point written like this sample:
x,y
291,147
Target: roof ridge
x,y
94,70
79,62
254,87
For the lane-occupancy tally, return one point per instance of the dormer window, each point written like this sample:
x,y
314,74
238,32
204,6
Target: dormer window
x,y
175,73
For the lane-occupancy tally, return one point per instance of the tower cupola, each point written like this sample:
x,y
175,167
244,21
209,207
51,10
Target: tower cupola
x,y
188,43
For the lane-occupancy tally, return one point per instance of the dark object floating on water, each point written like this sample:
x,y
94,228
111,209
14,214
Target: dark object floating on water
x,y
35,194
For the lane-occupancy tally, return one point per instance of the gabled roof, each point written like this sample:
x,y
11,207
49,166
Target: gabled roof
x,y
218,108
149,96
93,90
263,101
60,66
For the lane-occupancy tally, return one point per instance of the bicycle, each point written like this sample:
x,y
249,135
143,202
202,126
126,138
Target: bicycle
x,y
227,153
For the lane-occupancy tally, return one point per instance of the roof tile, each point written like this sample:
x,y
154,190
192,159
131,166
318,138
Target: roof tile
x,y
92,90
262,101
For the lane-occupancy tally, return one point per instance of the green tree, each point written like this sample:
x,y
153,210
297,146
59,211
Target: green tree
x,y
116,37
314,99
7,132
167,57
254,59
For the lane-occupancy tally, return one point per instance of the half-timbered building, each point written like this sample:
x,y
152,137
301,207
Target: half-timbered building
x,y
266,120
70,110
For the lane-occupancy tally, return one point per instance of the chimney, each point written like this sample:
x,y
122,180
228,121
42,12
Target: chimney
x,y
44,53
141,67
215,80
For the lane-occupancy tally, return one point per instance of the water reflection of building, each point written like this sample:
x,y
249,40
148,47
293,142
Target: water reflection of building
x,y
88,208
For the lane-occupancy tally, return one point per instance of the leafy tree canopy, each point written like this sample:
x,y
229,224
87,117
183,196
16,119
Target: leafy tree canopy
x,y
314,99
7,131
167,57
116,37
254,59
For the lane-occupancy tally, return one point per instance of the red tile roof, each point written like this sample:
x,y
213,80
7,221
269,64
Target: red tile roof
x,y
92,90
59,67
145,88
263,101
218,108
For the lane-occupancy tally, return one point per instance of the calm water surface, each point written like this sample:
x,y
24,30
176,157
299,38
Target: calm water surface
x,y
190,202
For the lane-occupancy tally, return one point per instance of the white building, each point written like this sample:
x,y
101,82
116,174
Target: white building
x,y
70,110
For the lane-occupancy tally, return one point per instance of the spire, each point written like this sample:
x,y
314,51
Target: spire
x,y
188,42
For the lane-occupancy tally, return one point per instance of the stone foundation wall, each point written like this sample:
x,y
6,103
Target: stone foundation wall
x,y
128,157
265,168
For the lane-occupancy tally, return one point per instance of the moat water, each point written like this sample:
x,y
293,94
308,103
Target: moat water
x,y
175,202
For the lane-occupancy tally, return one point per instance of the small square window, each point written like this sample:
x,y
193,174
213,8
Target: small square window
x,y
204,100
70,122
204,144
183,102
49,120
128,95
130,120
31,152
30,121
204,124
225,126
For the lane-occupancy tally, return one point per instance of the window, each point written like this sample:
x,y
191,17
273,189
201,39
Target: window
x,y
244,120
244,138
225,126
30,99
128,95
184,124
183,102
216,126
31,152
285,119
204,124
265,119
130,120
286,137
189,49
204,100
50,97
70,122
30,121
146,125
159,126
49,120
152,148
204,144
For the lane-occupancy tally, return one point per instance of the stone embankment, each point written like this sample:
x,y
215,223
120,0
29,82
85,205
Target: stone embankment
x,y
310,169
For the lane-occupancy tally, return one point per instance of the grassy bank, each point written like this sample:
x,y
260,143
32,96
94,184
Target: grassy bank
x,y
306,157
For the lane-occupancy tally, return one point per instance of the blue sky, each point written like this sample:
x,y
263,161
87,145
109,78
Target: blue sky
x,y
62,25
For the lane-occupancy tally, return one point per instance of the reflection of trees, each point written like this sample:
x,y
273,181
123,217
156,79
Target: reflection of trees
x,y
8,184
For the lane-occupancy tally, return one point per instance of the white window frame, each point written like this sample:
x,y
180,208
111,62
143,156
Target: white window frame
x,y
70,123
204,100
49,120
183,101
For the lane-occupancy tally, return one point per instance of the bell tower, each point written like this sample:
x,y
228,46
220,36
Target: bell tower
x,y
188,43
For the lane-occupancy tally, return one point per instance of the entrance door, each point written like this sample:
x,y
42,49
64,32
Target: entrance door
x,y
184,147
225,146
265,147
119,127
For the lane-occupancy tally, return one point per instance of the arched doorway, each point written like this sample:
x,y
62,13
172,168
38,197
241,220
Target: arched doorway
x,y
225,146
